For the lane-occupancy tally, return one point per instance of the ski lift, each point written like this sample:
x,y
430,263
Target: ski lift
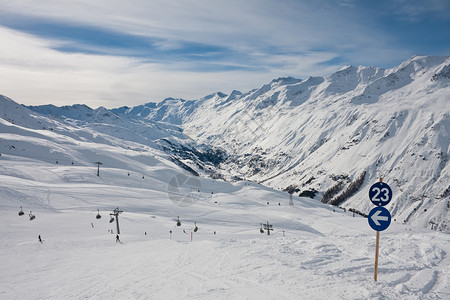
x,y
111,220
178,222
98,214
21,213
196,228
261,229
32,217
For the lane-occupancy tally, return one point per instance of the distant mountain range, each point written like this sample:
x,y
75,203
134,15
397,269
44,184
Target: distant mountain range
x,y
329,138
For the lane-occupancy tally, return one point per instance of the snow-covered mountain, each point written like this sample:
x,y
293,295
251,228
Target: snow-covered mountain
x,y
59,241
326,137
323,138
321,134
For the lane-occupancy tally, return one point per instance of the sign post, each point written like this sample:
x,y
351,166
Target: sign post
x,y
379,217
377,246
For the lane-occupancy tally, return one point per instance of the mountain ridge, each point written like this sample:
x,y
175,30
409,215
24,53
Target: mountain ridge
x,y
314,134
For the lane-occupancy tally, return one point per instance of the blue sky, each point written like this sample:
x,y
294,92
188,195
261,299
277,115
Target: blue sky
x,y
112,53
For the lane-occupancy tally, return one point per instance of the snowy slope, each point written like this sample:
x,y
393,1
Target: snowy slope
x,y
315,251
27,135
134,126
315,133
308,135
311,135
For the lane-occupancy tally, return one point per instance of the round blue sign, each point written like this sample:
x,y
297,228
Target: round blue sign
x,y
379,218
380,194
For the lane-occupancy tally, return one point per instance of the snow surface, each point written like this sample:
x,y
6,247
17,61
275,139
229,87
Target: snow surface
x,y
393,123
315,251
309,134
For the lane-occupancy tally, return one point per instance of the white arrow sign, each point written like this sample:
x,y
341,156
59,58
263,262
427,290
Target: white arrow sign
x,y
379,218
376,217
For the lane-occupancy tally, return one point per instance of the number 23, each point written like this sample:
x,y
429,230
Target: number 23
x,y
383,191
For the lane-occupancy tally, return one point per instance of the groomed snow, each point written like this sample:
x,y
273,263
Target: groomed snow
x,y
324,253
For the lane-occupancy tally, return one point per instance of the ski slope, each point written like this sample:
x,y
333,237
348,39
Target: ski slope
x,y
314,252
314,134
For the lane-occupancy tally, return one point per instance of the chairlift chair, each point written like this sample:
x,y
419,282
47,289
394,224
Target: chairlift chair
x,y
178,222
32,217
98,214
196,228
21,213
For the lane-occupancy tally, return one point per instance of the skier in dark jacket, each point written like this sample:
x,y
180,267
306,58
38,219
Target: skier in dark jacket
x,y
39,238
117,238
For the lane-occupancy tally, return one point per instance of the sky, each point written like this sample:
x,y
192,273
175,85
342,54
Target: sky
x,y
113,53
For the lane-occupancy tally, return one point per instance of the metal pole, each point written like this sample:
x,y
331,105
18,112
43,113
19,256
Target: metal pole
x,y
117,222
377,246
376,256
98,167
116,213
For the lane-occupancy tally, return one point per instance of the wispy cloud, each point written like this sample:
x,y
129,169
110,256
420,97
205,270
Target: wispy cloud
x,y
416,10
33,72
114,53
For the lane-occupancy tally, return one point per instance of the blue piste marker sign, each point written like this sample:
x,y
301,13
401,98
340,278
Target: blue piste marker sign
x,y
380,194
379,218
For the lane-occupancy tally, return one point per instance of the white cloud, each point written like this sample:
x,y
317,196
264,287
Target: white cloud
x,y
34,74
297,25
263,39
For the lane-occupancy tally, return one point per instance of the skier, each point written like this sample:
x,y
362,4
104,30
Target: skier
x,y
117,238
39,238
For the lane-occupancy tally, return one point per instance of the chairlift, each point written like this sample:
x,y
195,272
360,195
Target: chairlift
x,y
21,213
32,217
98,214
178,222
196,228
111,220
